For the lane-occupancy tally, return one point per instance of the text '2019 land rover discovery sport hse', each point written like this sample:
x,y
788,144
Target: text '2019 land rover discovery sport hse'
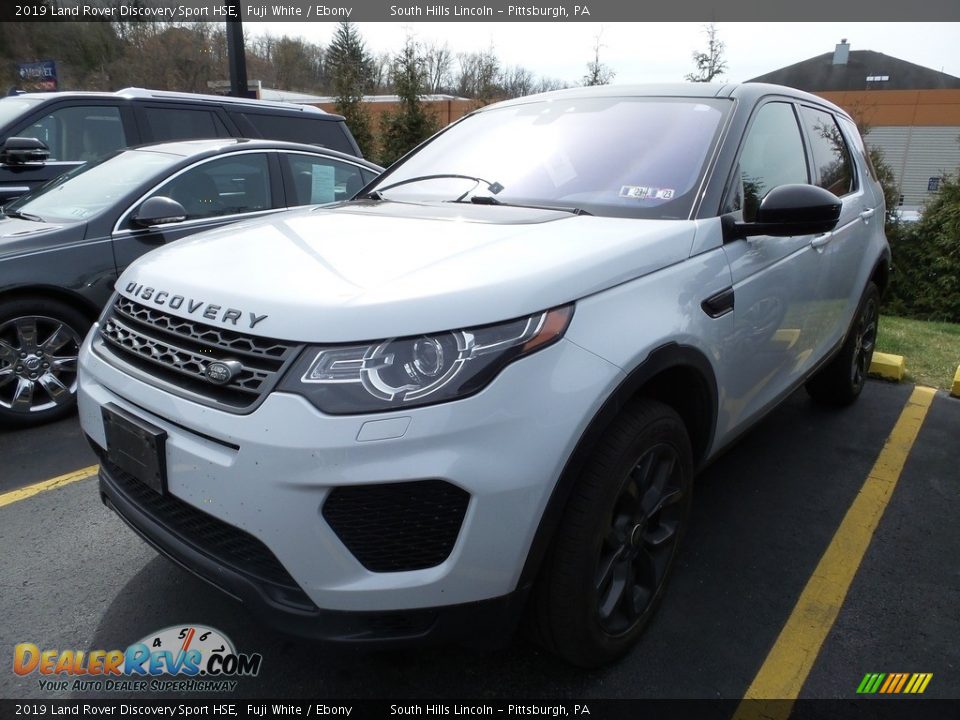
x,y
486,383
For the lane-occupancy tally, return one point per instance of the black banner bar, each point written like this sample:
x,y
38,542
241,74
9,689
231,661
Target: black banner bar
x,y
229,707
406,11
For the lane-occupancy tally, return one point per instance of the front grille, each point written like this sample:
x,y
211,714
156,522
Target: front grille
x,y
177,351
226,544
397,527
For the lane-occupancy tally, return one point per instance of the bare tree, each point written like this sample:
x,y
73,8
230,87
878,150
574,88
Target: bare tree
x,y
478,73
545,84
597,72
438,62
711,63
380,73
516,81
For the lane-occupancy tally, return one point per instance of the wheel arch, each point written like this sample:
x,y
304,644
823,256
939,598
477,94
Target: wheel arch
x,y
49,292
680,376
880,275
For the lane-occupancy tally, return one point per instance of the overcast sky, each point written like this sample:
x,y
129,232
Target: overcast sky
x,y
652,52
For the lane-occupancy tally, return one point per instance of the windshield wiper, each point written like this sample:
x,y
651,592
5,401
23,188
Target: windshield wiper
x,y
377,194
490,200
23,216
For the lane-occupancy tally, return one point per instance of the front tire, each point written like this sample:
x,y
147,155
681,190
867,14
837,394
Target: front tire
x,y
841,381
40,340
608,567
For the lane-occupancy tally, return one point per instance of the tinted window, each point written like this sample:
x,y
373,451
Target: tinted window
x,y
854,134
182,124
78,133
614,156
321,180
225,186
301,129
772,155
91,188
831,157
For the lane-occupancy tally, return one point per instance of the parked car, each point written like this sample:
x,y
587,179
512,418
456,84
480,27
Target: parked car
x,y
62,247
43,135
495,395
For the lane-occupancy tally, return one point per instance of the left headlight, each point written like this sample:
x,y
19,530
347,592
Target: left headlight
x,y
420,370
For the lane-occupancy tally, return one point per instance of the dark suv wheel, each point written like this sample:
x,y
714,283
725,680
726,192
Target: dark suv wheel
x,y
840,382
609,565
39,343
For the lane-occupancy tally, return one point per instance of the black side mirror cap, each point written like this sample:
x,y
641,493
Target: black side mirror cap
x,y
789,210
158,210
23,150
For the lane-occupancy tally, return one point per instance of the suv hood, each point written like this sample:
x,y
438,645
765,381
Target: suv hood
x,y
353,273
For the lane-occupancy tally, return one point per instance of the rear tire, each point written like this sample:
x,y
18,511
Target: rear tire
x,y
40,340
610,561
841,381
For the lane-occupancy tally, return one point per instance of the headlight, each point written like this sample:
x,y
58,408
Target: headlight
x,y
412,371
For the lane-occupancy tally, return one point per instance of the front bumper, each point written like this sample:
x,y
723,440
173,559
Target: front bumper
x,y
269,472
288,609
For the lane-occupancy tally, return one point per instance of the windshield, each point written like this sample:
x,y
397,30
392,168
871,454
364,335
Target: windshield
x,y
613,156
88,189
13,107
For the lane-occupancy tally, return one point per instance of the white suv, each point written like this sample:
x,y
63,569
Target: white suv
x,y
486,383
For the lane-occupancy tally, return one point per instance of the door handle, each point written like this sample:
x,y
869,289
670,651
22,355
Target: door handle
x,y
820,240
867,214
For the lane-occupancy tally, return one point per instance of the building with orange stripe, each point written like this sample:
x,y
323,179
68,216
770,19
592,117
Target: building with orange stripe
x,y
912,112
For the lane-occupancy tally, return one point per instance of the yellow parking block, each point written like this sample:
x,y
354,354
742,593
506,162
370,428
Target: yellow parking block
x,y
955,391
889,367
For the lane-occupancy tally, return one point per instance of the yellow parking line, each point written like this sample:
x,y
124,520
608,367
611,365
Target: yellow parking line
x,y
8,498
792,656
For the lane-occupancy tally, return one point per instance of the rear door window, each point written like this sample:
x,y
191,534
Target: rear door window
x,y
177,123
321,180
831,156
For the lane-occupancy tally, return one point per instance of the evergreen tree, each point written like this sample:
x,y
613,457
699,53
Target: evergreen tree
x,y
351,70
411,123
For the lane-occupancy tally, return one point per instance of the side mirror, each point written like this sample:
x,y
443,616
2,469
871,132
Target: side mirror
x,y
23,150
158,210
790,210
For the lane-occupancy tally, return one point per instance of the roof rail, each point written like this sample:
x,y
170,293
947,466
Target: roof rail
x,y
137,92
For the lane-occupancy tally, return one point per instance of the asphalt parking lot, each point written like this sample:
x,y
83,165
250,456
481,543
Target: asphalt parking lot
x,y
74,576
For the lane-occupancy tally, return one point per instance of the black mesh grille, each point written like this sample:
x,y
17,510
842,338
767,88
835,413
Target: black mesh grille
x,y
398,526
221,541
178,351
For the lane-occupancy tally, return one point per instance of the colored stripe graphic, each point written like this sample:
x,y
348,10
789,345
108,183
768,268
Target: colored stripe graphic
x,y
891,680
903,679
894,683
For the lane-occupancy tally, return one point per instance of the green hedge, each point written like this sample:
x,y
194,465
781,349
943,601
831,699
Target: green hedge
x,y
925,277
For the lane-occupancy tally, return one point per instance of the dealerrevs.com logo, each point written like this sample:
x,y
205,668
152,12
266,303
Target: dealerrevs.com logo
x,y
176,659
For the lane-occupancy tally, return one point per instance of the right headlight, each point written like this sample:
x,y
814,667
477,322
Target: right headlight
x,y
420,370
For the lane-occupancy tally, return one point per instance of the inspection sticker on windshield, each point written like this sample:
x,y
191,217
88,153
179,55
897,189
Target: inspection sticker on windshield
x,y
638,192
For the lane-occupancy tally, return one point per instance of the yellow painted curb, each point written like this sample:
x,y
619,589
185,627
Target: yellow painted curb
x,y
889,367
956,384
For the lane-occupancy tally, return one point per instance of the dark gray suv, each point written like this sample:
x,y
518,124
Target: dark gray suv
x,y
77,127
63,246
